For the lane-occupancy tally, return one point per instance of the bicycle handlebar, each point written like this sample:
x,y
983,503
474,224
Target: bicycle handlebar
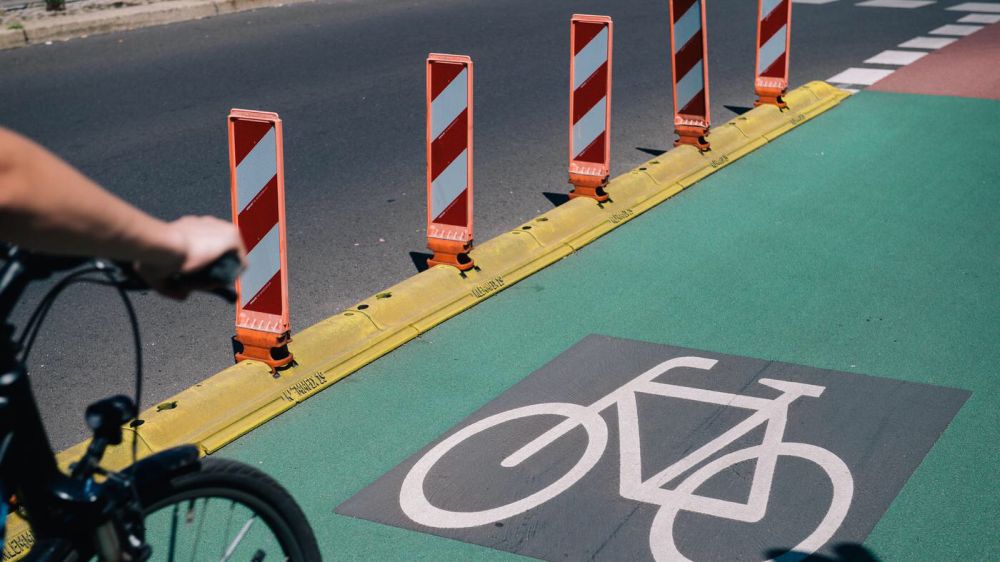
x,y
217,276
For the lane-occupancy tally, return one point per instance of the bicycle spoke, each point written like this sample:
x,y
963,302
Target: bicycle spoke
x,y
225,537
188,528
189,515
239,537
201,523
173,534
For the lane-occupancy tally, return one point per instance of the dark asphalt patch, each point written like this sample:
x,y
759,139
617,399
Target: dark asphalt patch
x,y
841,459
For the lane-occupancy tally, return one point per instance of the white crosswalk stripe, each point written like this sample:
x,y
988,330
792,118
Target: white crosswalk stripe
x,y
980,18
953,29
860,76
927,43
892,56
907,4
993,7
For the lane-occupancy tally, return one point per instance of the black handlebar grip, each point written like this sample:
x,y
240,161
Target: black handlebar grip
x,y
222,273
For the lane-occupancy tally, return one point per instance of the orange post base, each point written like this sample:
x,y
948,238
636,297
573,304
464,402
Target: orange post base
x,y
450,252
585,185
770,96
693,136
266,347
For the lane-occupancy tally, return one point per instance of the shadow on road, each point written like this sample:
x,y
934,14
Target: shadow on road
x,y
844,552
650,151
737,109
420,260
556,198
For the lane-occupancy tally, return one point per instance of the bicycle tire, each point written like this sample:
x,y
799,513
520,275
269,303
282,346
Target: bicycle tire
x,y
253,489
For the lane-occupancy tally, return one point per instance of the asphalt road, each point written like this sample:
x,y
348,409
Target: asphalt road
x,y
144,112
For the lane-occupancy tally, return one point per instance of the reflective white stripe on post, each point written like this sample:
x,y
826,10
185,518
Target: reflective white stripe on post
x,y
257,191
449,184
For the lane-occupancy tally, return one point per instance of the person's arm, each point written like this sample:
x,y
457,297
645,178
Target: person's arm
x,y
47,205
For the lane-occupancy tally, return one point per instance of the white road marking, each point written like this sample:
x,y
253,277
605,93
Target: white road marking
x,y
927,43
980,18
952,29
908,4
812,1
860,76
977,7
900,58
770,413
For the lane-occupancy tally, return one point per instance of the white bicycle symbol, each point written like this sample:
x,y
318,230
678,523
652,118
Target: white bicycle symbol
x,y
772,412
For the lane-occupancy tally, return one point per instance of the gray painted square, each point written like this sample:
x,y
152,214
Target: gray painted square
x,y
739,486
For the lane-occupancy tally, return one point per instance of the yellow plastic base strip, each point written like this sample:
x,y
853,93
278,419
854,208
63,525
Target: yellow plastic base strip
x,y
244,396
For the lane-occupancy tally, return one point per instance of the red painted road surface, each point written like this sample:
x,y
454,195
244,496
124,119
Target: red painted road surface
x,y
969,68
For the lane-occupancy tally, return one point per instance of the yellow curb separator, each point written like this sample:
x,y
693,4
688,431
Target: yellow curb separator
x,y
242,397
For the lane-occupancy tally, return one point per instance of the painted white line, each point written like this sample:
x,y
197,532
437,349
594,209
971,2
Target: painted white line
x,y
846,88
908,4
980,18
927,43
901,58
860,76
952,29
812,1
977,7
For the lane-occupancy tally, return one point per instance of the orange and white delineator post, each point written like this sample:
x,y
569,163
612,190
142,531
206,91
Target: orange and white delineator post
x,y
774,38
689,63
257,187
590,40
449,160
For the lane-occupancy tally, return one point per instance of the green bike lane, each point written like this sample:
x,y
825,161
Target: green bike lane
x,y
865,242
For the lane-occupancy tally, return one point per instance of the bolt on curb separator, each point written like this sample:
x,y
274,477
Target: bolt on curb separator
x,y
449,160
689,64
257,191
774,39
590,105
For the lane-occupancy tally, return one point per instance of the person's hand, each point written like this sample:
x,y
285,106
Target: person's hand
x,y
195,242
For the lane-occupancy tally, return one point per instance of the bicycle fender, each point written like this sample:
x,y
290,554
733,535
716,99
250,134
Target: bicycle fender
x,y
161,467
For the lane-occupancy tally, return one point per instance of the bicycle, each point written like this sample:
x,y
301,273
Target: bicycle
x,y
164,498
770,412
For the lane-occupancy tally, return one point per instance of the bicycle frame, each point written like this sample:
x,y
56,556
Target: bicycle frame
x,y
34,475
772,412
66,514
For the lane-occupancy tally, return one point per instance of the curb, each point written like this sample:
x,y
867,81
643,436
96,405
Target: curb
x,y
240,398
122,19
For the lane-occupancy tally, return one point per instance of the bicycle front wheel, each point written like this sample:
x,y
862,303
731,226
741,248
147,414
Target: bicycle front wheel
x,y
226,510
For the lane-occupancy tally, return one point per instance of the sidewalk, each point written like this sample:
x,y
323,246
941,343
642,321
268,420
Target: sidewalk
x,y
27,22
862,243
